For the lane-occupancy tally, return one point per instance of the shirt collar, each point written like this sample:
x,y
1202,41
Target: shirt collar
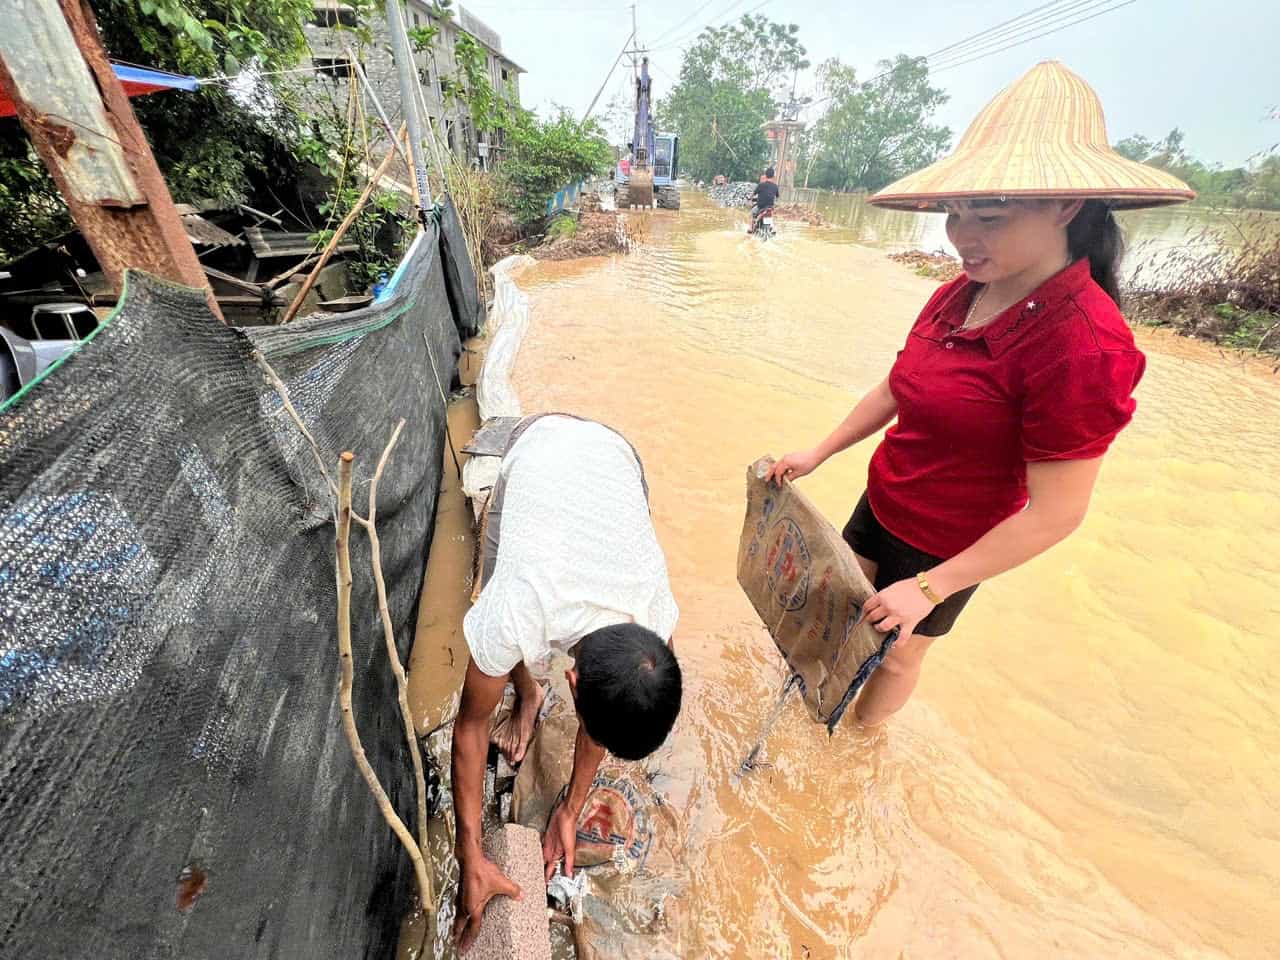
x,y
1001,333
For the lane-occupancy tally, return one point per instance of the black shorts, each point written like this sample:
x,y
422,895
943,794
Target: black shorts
x,y
897,560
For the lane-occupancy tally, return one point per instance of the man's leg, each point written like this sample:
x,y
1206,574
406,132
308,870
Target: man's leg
x,y
513,737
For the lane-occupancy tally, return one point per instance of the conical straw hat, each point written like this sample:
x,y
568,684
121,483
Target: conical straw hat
x,y
1044,136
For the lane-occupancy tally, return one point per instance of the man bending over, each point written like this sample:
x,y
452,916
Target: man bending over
x,y
570,562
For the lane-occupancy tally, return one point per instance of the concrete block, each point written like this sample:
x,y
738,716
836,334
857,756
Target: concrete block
x,y
515,929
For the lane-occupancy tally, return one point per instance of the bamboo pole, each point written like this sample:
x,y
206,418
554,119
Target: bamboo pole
x,y
338,234
393,655
343,574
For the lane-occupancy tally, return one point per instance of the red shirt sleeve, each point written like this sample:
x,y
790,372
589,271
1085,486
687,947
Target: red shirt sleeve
x,y
1074,407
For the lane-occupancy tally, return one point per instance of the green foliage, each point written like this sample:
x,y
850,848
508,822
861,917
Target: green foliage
x,y
374,230
543,156
731,81
1256,186
488,110
873,133
562,228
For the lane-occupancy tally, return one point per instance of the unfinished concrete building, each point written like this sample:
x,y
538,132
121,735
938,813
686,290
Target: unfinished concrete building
x,y
335,32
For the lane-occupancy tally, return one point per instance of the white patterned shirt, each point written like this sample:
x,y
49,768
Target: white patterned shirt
x,y
577,550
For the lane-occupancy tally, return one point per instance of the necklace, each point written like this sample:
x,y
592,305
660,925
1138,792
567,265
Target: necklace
x,y
973,307
977,299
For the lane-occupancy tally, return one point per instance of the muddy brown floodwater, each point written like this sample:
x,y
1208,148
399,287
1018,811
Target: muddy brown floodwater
x,y
1088,768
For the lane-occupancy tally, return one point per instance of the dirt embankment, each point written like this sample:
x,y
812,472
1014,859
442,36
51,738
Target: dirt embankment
x,y
935,266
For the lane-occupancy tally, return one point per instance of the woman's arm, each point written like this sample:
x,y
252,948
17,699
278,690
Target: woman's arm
x,y
1058,499
873,411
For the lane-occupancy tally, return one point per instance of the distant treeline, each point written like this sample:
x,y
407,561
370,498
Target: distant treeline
x,y
1256,185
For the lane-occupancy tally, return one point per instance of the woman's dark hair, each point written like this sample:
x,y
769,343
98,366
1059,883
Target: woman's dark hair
x,y
629,689
1095,234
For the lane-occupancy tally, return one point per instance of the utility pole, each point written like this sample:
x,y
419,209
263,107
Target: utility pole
x,y
74,109
408,77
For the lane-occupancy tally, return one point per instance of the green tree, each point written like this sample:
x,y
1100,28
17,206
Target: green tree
x,y
543,156
1137,148
731,81
1256,186
873,133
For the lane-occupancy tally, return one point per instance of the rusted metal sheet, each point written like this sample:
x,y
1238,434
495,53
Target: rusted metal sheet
x,y
88,138
33,34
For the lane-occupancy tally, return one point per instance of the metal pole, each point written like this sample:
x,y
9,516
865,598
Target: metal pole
x,y
408,102
74,109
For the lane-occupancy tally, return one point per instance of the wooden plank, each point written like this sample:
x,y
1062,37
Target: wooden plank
x,y
254,288
75,110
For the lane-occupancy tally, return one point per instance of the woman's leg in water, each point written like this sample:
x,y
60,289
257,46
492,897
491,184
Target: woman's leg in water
x,y
891,684
893,681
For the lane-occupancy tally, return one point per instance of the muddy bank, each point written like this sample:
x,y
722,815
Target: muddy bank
x,y
593,233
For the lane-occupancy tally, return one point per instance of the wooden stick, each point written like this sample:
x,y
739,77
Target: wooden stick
x,y
393,655
296,268
338,234
277,384
343,568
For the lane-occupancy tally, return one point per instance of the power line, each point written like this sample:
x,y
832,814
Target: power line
x,y
1071,11
1024,33
665,33
988,30
1018,43
1016,39
680,42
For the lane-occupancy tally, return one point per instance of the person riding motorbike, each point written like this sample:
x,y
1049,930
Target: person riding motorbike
x,y
763,198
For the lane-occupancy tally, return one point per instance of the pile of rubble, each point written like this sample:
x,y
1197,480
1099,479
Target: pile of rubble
x,y
599,232
732,194
800,213
935,266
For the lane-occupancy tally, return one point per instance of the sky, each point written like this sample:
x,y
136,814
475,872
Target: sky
x,y
1209,67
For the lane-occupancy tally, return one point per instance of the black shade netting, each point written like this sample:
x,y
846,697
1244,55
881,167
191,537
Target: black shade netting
x,y
174,779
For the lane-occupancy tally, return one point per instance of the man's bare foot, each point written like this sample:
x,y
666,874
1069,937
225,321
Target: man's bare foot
x,y
513,733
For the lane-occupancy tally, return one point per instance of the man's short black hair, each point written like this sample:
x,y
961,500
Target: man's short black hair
x,y
768,172
629,689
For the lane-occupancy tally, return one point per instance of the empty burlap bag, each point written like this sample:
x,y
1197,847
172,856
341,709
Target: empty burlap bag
x,y
807,587
629,841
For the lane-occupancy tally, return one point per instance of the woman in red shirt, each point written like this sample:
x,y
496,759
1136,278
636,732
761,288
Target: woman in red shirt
x,y
1015,377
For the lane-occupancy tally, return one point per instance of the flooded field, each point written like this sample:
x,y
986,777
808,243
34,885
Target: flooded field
x,y
1088,767
1161,242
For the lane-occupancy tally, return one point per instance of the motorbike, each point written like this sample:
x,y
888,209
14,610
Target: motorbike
x,y
762,226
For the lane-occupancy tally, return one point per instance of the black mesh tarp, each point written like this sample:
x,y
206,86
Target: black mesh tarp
x,y
459,274
168,670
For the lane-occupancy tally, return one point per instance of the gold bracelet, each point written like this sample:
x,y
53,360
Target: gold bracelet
x,y
924,588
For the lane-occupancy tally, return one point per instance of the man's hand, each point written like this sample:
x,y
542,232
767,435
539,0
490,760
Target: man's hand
x,y
480,882
560,842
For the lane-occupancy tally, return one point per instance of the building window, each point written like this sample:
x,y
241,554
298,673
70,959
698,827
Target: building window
x,y
335,68
504,75
333,15
417,20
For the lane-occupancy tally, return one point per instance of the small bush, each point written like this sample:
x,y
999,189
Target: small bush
x,y
562,228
